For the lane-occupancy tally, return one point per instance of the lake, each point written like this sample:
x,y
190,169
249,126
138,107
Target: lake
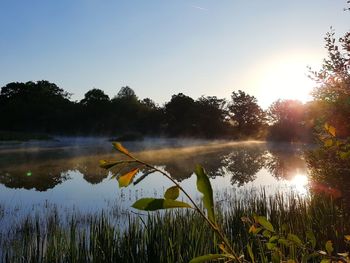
x,y
65,173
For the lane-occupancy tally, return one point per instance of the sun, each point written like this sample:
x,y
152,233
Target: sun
x,y
284,78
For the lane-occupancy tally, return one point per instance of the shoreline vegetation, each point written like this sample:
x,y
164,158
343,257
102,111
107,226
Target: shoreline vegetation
x,y
160,236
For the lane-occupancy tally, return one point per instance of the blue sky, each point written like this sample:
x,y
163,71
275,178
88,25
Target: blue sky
x,y
163,47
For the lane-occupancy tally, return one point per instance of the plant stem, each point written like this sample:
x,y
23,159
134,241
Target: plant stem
x,y
211,224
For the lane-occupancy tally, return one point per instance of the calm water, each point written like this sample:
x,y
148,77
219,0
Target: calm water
x,y
65,174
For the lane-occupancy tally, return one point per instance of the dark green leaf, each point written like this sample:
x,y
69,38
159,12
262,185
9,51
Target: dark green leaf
x,y
311,238
250,252
204,186
152,204
295,239
107,165
143,176
172,193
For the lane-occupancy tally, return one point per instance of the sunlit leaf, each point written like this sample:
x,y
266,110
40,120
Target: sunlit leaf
x,y
265,223
126,179
152,204
347,237
329,247
332,130
120,148
204,186
209,257
325,260
172,193
254,230
328,143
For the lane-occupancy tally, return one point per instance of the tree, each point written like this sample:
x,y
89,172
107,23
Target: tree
x,y
211,117
287,119
34,106
332,93
180,115
246,114
126,92
94,96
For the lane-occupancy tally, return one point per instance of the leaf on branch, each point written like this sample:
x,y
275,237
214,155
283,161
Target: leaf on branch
x,y
143,176
107,165
172,193
152,204
204,186
265,223
120,148
126,179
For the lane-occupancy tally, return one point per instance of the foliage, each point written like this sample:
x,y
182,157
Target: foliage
x,y
272,245
287,118
246,114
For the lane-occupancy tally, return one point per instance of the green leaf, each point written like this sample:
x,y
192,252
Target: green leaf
x,y
126,179
209,257
250,252
311,238
325,260
152,204
295,239
265,223
204,186
107,165
172,193
266,233
270,246
329,247
120,148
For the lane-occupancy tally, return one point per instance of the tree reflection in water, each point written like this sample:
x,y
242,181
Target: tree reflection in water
x,y
240,161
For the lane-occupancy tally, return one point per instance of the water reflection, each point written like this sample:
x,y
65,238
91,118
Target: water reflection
x,y
241,162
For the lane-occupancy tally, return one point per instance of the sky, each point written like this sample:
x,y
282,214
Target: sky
x,y
164,47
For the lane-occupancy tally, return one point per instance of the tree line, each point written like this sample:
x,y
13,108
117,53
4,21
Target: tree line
x,y
43,107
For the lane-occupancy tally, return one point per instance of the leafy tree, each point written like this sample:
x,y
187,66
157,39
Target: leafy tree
x,y
332,94
180,115
246,114
126,92
94,96
287,119
30,106
211,117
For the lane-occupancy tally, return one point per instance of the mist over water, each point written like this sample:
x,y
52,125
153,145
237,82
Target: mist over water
x,y
64,174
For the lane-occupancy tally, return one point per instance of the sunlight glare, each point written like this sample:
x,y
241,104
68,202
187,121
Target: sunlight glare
x,y
284,79
300,183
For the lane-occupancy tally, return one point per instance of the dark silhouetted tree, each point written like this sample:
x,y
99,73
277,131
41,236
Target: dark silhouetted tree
x,y
246,114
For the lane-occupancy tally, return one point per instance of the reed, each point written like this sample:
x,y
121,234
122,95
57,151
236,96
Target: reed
x,y
172,236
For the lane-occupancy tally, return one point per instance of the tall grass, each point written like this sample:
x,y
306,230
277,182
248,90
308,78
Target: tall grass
x,y
174,236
